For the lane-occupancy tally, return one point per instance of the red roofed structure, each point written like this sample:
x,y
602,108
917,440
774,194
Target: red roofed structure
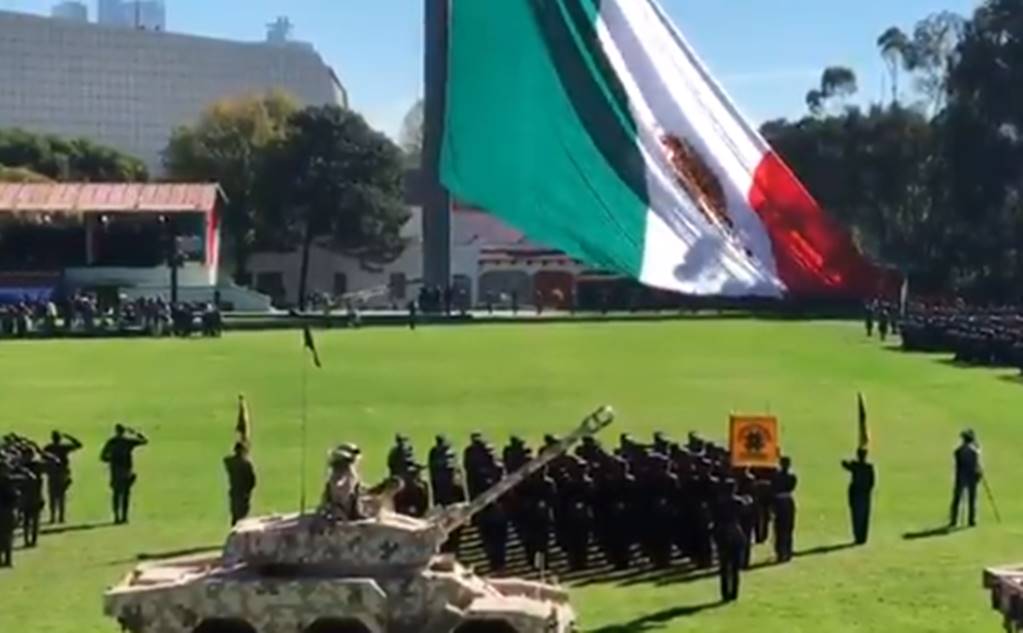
x,y
113,235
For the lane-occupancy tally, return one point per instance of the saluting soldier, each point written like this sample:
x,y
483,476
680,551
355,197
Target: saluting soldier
x,y
59,476
241,481
861,487
117,453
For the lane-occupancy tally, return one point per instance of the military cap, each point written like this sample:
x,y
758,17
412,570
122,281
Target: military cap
x,y
350,448
968,435
341,457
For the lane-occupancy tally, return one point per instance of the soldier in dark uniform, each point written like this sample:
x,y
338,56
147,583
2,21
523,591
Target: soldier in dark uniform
x,y
861,487
729,537
762,501
412,315
477,459
868,317
701,526
441,454
59,476
400,456
534,512
492,522
745,482
660,489
449,489
515,454
117,453
414,497
882,323
241,481
619,489
968,473
8,508
784,488
572,514
34,471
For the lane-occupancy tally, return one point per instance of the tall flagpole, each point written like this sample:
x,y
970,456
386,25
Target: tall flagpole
x,y
305,391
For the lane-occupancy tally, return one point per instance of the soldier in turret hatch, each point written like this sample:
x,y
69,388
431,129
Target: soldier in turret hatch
x,y
516,454
441,453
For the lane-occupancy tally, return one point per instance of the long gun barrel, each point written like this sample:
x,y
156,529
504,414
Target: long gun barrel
x,y
453,517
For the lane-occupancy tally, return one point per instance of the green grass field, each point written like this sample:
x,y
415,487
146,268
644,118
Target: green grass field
x,y
533,379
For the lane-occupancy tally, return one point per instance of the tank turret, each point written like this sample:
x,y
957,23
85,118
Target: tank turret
x,y
386,539
313,573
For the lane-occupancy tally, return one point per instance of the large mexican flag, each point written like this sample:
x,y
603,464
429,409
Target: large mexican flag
x,y
592,126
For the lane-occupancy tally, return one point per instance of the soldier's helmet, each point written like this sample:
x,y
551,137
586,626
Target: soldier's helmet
x,y
341,457
968,436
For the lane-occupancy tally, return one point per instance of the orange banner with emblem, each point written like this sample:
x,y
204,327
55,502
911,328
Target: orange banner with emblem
x,y
754,441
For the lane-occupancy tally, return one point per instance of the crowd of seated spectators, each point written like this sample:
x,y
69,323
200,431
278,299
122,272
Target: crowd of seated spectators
x,y
82,314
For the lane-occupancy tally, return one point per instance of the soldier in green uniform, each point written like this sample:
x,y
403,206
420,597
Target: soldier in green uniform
x,y
861,486
241,481
117,453
59,476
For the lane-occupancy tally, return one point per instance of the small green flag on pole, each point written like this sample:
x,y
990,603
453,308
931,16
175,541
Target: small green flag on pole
x,y
310,344
864,431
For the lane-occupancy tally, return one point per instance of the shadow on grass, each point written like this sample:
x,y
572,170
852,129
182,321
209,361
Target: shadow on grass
x,y
945,530
823,549
657,620
83,527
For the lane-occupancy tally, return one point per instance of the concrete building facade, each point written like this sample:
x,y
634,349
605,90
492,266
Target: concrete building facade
x,y
130,88
74,11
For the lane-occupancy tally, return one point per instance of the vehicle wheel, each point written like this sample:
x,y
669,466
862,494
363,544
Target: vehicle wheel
x,y
224,626
485,626
338,626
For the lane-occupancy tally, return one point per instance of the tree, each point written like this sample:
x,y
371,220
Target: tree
x,y
411,139
837,83
63,159
226,145
896,48
935,42
21,174
334,180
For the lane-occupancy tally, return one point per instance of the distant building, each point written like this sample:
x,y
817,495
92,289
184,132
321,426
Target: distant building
x,y
130,88
74,11
148,15
111,13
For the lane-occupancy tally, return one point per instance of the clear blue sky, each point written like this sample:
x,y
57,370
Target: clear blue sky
x,y
767,53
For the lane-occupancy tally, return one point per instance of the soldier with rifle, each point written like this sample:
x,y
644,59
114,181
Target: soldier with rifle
x,y
968,474
241,481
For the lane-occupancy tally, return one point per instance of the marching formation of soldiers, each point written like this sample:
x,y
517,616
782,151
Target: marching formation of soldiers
x,y
26,469
639,502
990,337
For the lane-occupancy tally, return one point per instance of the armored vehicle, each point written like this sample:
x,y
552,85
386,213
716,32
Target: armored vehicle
x,y
1006,587
315,573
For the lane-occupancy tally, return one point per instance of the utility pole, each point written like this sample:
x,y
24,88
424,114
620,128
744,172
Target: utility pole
x,y
435,199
